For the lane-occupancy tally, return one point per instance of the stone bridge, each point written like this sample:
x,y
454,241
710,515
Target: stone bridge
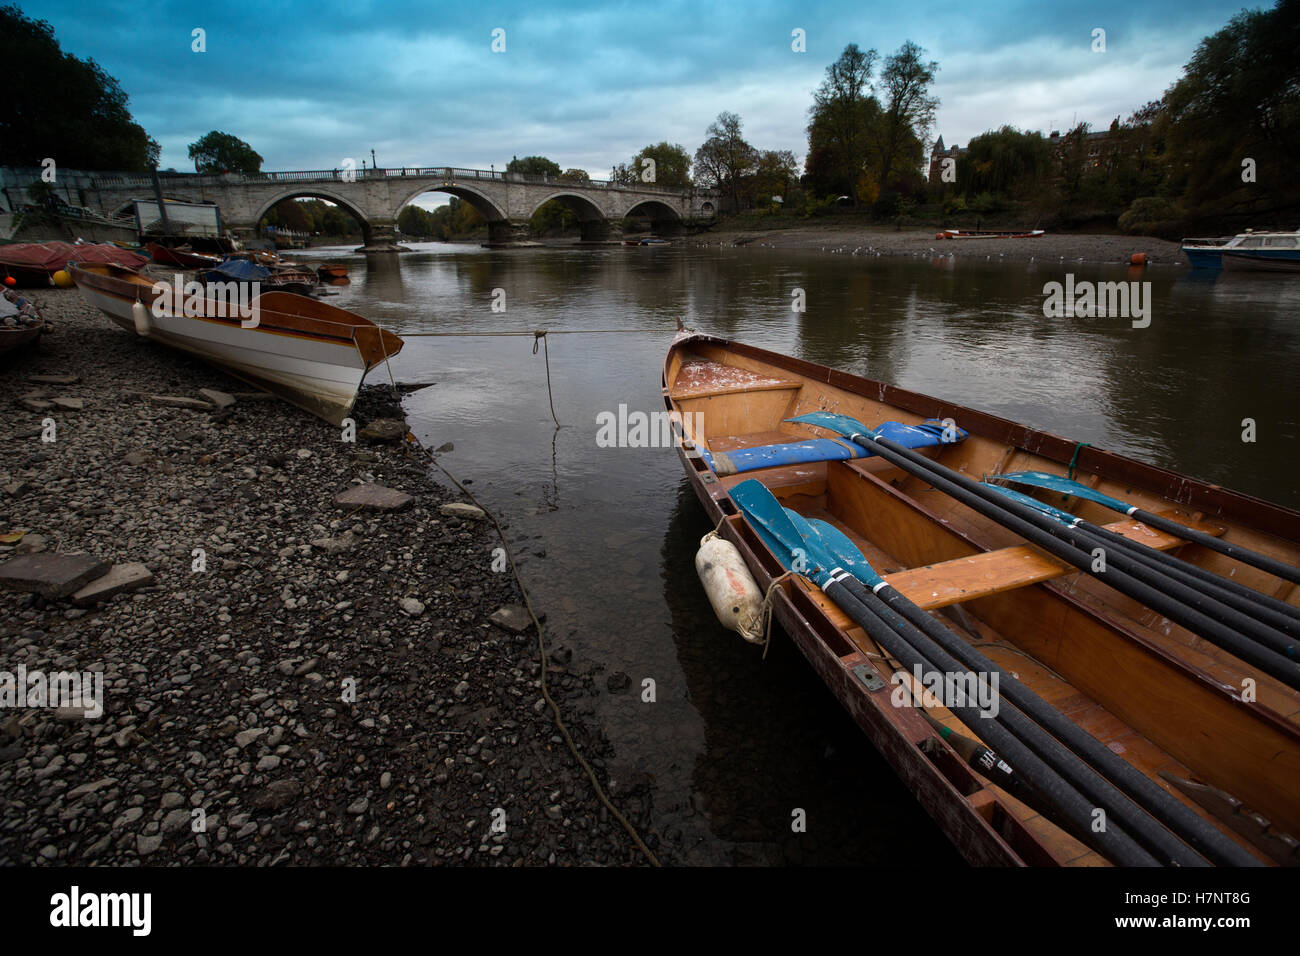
x,y
374,197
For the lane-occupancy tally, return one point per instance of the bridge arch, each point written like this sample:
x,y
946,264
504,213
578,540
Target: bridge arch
x,y
582,207
315,192
487,208
653,209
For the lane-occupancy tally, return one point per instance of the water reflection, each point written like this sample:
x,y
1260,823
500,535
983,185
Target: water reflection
x,y
606,536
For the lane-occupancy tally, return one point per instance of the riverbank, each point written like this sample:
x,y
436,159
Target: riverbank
x,y
859,240
322,682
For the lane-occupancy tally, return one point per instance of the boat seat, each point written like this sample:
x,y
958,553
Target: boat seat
x,y
704,379
992,572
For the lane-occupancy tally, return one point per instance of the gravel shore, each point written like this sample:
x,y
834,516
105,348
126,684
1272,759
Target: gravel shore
x,y
327,690
855,240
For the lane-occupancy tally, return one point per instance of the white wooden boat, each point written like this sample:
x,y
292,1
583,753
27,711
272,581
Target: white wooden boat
x,y
311,354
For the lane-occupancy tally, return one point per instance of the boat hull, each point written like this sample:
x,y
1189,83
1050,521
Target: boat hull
x,y
1204,257
1262,261
1106,661
318,373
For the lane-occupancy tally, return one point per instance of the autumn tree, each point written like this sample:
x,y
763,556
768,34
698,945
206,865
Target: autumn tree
x,y
724,158
223,153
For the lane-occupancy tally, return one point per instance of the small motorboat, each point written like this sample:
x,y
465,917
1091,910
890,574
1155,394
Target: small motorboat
x,y
332,270
311,354
1247,251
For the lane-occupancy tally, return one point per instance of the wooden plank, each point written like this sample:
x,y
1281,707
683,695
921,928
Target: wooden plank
x,y
967,578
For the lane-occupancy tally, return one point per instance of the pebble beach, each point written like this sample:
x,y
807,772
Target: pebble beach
x,y
291,680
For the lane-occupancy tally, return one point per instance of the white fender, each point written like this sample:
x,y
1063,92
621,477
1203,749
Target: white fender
x,y
732,591
140,313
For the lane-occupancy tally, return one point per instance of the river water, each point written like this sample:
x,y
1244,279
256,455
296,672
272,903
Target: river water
x,y
733,745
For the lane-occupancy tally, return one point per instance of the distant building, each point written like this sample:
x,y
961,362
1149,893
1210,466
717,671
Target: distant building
x,y
938,155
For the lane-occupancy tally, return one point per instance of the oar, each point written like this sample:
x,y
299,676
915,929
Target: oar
x,y
795,552
1158,592
1068,487
1169,565
1154,799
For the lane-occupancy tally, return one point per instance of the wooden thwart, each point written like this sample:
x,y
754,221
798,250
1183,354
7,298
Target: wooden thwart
x,y
979,575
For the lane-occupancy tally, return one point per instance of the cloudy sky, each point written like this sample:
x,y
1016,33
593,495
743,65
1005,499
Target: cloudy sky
x,y
589,83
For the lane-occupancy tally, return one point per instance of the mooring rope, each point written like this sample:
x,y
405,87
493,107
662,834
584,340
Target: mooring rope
x,y
541,650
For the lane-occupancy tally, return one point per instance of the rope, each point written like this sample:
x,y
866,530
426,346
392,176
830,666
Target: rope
x,y
1075,457
409,335
766,613
541,653
546,351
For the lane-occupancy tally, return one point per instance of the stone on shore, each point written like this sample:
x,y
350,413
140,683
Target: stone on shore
x,y
180,401
68,404
513,618
218,398
373,497
122,577
383,430
51,575
459,509
54,379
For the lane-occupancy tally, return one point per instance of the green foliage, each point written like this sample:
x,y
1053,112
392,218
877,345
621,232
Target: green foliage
x,y
534,166
954,205
1152,216
58,106
672,166
725,158
1005,161
218,152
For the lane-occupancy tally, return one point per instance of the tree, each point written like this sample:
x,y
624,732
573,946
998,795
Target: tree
x,y
670,162
57,106
724,157
575,176
223,153
843,112
775,171
534,166
1005,162
908,107
1238,100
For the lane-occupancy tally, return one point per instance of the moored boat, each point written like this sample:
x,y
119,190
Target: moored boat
x,y
21,322
332,270
963,234
311,354
1194,736
34,263
181,258
1247,251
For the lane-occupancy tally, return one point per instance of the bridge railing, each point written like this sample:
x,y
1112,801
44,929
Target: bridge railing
x,y
446,173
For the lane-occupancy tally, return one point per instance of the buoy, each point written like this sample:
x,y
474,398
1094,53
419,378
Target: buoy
x,y
62,279
1138,259
732,591
140,314
939,235
10,280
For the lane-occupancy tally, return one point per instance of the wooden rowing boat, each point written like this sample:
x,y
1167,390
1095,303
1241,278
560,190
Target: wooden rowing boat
x,y
962,234
180,258
311,354
332,270
1168,702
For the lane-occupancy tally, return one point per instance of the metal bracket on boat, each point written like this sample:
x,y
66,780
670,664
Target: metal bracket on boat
x,y
708,477
870,679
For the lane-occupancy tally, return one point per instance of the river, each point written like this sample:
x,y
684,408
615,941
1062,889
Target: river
x,y
733,745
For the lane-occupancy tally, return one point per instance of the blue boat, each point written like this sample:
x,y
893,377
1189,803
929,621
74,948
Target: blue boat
x,y
1255,251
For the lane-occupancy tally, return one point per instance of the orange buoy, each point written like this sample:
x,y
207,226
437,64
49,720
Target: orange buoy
x,y
1138,259
10,280
940,235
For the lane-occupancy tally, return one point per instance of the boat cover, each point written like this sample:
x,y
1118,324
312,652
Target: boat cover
x,y
240,270
824,449
53,256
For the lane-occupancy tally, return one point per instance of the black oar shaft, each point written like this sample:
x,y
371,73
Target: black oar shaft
x,y
1199,834
1286,626
1244,555
1050,535
1113,842
1103,793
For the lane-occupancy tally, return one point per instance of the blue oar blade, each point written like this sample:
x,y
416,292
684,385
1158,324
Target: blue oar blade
x,y
1062,516
1041,479
846,552
779,532
833,421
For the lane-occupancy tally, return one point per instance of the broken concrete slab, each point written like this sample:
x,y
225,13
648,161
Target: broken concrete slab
x,y
460,509
122,577
54,379
373,497
217,398
51,575
31,544
513,618
180,401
